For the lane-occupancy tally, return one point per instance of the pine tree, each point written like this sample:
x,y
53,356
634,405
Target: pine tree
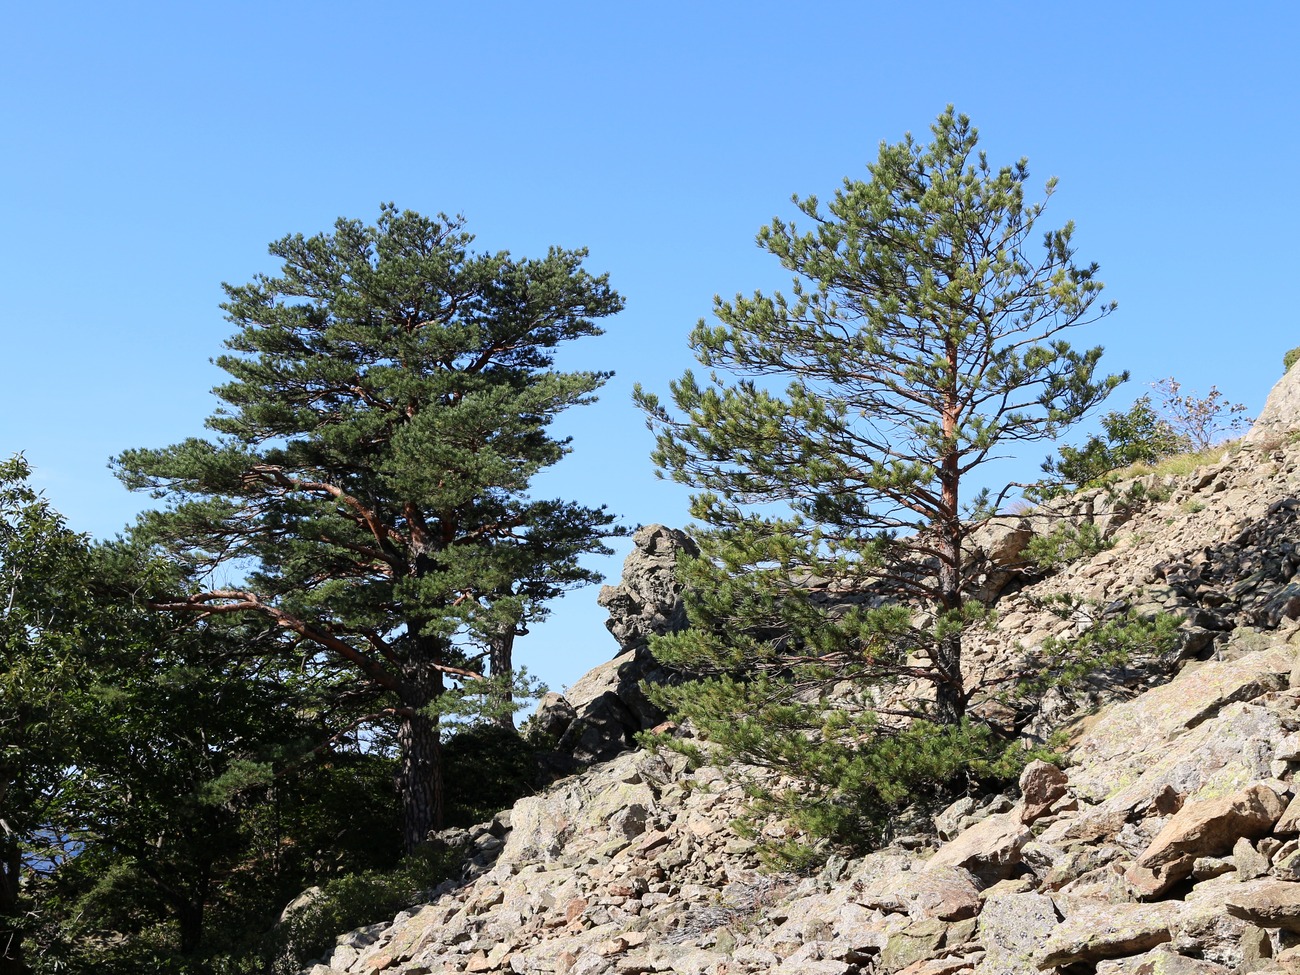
x,y
367,483
836,434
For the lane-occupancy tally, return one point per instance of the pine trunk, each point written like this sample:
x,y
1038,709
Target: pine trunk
x,y
501,660
419,778
190,917
950,697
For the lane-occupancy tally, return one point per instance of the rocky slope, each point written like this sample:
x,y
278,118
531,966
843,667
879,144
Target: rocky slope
x,y
1169,844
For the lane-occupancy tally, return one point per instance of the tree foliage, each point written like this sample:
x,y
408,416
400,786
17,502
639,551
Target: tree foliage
x,y
1138,436
44,615
837,431
389,403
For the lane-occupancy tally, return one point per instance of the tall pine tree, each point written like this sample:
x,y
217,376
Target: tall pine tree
x,y
367,483
835,436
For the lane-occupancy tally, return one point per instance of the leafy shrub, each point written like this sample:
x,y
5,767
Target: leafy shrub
x,y
1200,421
1144,436
1290,358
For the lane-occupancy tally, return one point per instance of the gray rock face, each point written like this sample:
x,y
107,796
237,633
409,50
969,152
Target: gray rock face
x,y
1099,931
1011,929
648,600
1281,413
600,715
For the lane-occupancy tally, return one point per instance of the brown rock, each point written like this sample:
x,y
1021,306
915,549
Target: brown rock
x,y
574,909
989,849
1268,903
1152,883
1208,827
1119,747
1041,784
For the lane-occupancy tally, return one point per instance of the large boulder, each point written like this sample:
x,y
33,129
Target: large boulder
x,y
1210,827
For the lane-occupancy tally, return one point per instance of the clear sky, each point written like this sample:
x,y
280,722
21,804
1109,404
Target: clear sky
x,y
150,151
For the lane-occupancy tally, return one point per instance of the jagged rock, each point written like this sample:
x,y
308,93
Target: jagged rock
x,y
1207,931
990,849
1221,755
1100,931
1268,903
648,600
948,823
1206,827
1280,415
1250,863
554,715
1116,746
942,966
598,717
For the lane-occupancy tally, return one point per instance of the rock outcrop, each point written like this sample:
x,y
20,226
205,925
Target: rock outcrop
x,y
599,716
1169,842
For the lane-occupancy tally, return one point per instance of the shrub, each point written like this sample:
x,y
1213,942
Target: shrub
x,y
1290,358
1065,544
1138,436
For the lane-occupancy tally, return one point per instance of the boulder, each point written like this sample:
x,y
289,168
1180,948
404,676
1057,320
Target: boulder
x,y
1011,927
990,849
943,893
911,943
1099,931
1161,961
1268,903
1041,784
1209,827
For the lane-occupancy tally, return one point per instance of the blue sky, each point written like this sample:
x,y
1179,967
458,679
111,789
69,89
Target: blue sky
x,y
150,151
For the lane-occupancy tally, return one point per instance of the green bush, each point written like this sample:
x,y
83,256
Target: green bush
x,y
1139,436
1065,544
351,902
1290,358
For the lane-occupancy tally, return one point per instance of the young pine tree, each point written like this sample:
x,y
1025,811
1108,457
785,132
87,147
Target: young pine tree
x,y
832,444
